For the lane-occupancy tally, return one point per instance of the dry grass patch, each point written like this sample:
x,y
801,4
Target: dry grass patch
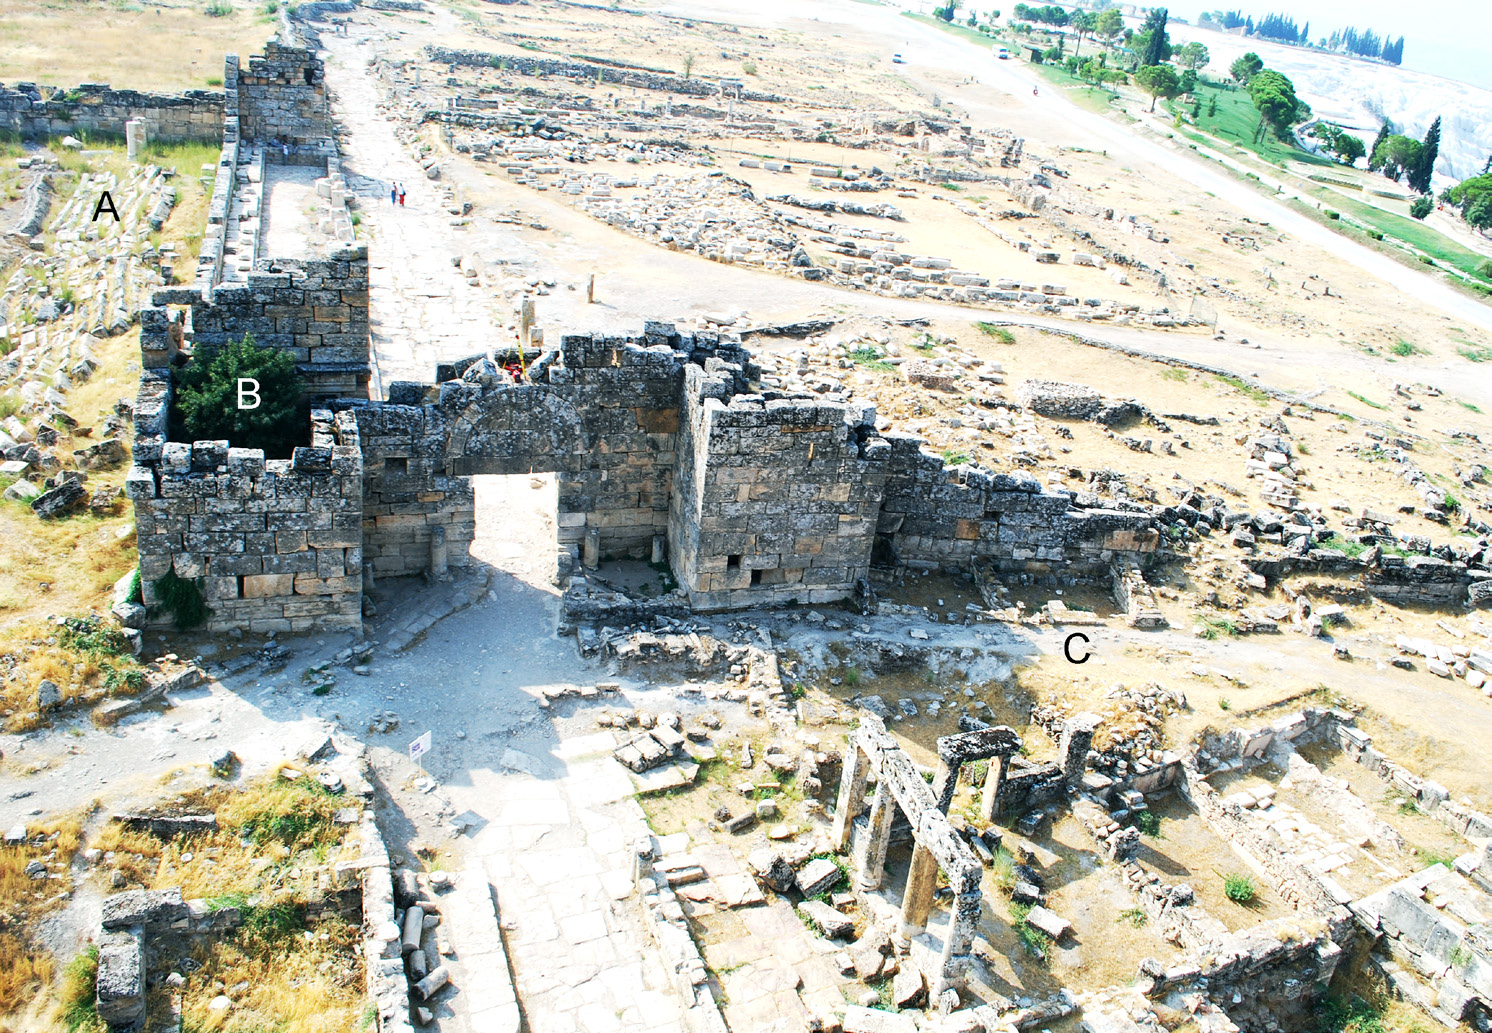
x,y
25,967
170,45
286,968
273,835
51,566
85,657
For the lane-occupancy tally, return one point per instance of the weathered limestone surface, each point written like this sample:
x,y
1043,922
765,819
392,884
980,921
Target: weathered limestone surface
x,y
30,110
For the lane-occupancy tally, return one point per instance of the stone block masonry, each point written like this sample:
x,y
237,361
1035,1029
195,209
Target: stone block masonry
x,y
777,498
282,95
939,518
276,545
317,309
33,111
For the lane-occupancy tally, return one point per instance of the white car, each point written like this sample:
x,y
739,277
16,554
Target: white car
x,y
1002,53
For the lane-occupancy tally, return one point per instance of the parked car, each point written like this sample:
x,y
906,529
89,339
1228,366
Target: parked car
x,y
1002,53
897,60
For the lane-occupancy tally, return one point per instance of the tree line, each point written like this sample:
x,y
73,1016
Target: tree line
x,y
1281,28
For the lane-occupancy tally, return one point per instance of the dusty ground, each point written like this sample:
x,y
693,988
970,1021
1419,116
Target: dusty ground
x,y
167,46
472,681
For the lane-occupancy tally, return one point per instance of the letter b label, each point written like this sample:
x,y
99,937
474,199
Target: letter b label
x,y
248,393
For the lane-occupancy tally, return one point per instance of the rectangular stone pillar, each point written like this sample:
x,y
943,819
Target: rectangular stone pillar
x,y
945,783
994,778
877,838
1077,739
958,946
136,136
922,883
851,796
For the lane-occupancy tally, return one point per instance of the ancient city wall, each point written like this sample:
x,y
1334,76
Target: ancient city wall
x,y
777,498
937,517
658,442
30,110
276,544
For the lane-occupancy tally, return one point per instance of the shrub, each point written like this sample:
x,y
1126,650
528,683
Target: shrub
x,y
999,333
1240,889
1148,822
182,599
1421,207
79,982
1484,270
218,9
205,402
749,67
1333,215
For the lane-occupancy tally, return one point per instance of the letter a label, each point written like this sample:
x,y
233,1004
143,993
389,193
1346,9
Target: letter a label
x,y
105,204
248,388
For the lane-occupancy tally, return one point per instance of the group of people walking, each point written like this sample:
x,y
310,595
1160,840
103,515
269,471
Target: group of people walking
x,y
396,194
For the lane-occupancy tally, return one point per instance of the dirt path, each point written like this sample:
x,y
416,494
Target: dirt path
x,y
1068,124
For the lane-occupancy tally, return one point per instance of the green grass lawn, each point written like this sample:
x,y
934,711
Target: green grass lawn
x,y
1094,98
1235,122
1084,94
958,28
1411,231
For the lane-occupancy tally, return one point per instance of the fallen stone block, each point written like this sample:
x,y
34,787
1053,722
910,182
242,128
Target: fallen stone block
x,y
872,1020
832,923
818,876
907,989
64,498
1048,922
142,907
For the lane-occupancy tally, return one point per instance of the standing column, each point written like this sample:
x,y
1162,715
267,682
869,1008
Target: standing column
x,y
945,783
958,946
922,882
135,138
878,837
994,778
851,796
1077,738
438,553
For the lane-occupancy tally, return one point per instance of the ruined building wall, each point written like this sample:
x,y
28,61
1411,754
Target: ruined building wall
x,y
620,484
602,413
29,111
316,309
276,543
282,96
779,502
936,517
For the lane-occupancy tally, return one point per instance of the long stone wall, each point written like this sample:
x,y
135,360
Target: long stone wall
x,y
30,110
941,518
636,78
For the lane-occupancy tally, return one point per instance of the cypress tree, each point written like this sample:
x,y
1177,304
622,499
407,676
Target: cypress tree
x,y
1383,134
1424,168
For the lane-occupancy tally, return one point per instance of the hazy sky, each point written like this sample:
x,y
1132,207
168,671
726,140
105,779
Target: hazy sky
x,y
1452,38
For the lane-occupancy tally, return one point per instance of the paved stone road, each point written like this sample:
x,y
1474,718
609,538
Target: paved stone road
x,y
423,309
